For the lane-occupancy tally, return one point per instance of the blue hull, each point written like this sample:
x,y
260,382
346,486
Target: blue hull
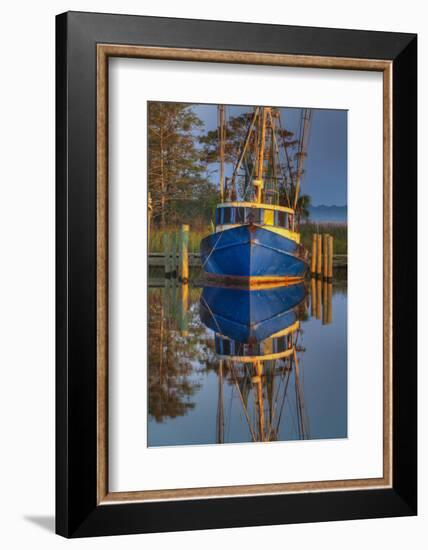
x,y
250,315
251,251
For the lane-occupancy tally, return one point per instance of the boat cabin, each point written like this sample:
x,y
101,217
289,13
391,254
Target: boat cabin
x,y
240,213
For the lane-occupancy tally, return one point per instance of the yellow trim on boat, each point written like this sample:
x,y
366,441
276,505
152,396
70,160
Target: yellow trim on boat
x,y
257,205
275,229
258,281
269,217
254,358
283,232
292,328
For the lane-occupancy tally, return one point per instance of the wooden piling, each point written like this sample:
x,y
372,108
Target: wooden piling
x,y
166,253
314,255
174,270
184,253
330,258
319,255
325,239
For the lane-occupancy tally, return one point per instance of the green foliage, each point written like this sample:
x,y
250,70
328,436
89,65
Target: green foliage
x,y
303,205
176,172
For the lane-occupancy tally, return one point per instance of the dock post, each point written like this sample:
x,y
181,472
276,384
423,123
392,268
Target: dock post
x,y
330,258
174,270
184,253
319,255
314,255
166,254
325,255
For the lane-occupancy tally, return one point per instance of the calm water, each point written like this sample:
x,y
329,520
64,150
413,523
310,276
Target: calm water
x,y
228,366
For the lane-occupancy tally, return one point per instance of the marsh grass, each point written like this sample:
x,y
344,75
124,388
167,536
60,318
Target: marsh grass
x,y
339,232
195,237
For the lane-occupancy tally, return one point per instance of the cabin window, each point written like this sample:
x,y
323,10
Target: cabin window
x,y
218,216
227,215
239,214
281,219
254,215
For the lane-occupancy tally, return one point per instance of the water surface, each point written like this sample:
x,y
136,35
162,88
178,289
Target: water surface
x,y
212,379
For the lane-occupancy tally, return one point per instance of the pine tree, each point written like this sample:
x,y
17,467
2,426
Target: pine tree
x,y
175,168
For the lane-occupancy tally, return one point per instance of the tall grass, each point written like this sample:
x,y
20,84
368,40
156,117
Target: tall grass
x,y
339,233
195,237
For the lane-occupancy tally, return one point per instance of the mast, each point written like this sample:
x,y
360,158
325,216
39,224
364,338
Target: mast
x,y
258,181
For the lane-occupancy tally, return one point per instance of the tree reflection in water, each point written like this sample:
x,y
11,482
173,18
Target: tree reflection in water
x,y
174,358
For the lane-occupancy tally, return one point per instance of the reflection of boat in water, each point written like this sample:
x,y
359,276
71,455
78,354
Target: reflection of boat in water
x,y
256,341
248,316
257,238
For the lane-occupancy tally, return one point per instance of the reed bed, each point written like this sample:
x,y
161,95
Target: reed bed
x,y
338,231
195,237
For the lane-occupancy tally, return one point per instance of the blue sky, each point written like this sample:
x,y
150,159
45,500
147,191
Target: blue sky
x,y
325,179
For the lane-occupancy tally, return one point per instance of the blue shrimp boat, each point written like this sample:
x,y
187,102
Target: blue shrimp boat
x,y
254,243
256,239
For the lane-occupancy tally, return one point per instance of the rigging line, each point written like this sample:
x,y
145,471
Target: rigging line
x,y
249,187
275,147
247,139
229,415
212,250
211,313
307,426
232,369
287,402
283,399
284,143
281,408
280,167
299,394
275,396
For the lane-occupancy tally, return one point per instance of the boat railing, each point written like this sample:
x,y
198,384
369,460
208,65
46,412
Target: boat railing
x,y
266,214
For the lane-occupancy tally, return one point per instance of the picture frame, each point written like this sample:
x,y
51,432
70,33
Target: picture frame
x,y
84,44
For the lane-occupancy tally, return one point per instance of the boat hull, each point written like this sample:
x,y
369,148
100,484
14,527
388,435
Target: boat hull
x,y
250,253
250,316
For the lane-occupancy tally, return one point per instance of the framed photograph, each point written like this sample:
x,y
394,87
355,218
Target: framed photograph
x,y
236,274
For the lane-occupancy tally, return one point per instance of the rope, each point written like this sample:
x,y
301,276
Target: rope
x,y
214,247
